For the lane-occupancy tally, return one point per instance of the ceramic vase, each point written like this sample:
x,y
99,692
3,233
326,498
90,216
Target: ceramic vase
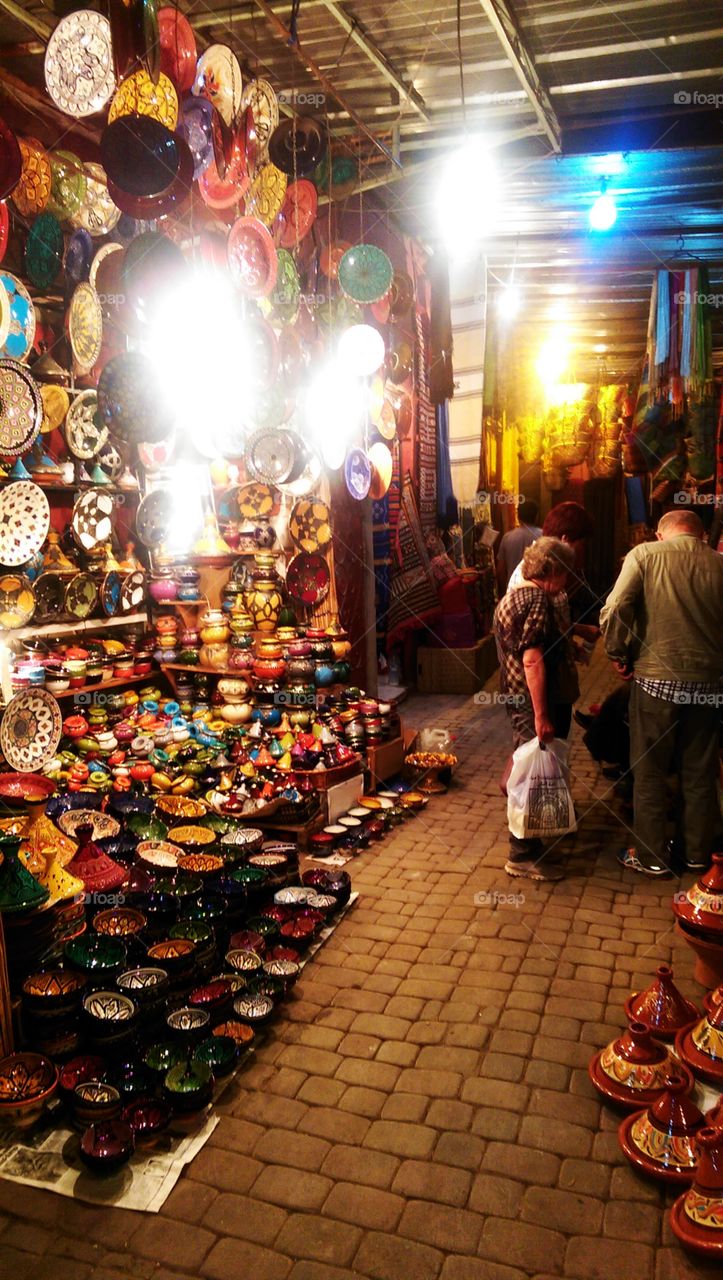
x,y
661,1006
632,1070
19,890
660,1141
697,1215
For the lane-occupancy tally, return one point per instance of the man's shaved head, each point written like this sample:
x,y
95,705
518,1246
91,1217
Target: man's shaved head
x,y
674,523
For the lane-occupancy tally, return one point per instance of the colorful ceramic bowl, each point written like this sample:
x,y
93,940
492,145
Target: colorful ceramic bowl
x,y
27,1083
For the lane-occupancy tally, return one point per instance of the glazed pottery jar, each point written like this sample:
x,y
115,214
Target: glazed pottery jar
x,y
300,670
661,1140
661,1006
267,648
162,589
166,624
697,1213
233,690
322,650
269,668
300,649
236,712
700,1046
214,627
632,1069
263,600
214,655
323,674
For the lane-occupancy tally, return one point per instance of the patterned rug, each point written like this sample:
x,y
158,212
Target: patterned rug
x,y
413,595
426,425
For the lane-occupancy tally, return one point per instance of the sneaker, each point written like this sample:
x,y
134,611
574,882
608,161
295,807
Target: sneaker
x,y
533,871
697,864
629,859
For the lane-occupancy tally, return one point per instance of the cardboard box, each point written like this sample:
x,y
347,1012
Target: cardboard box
x,y
456,670
343,796
385,761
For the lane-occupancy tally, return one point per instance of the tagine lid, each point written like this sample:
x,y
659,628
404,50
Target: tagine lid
x,y
713,999
93,866
697,1215
702,904
631,1071
661,1006
700,1046
660,1139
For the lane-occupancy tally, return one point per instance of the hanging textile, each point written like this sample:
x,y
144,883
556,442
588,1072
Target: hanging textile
x,y
662,331
413,597
447,512
441,373
426,425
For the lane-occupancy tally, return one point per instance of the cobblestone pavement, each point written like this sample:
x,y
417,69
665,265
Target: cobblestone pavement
x,y
423,1108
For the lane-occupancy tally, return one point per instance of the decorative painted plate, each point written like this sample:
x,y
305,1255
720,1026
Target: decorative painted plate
x,y
196,122
331,256
11,161
153,518
287,290
49,589
140,155
218,78
4,312
266,194
32,192
306,482
386,423
153,456
380,459
79,63
21,409
30,730
222,193
357,473
24,522
251,257
271,455
127,399
255,501
44,251
133,591
139,96
402,293
67,189
365,273
296,146
78,256
4,220
84,435
260,96
91,521
309,525
308,579
98,274
178,48
298,212
159,853
19,341
81,596
56,403
111,461
85,327
98,214
110,593
17,601
104,825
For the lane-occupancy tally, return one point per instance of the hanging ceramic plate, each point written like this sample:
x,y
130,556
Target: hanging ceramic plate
x,y
338,314
139,96
32,192
197,120
178,48
402,406
308,478
79,63
104,825
49,591
84,435
365,273
287,290
310,525
111,461
296,146
78,256
251,257
5,315
153,456
400,362
140,155
85,327
308,579
91,521
97,215
255,501
133,591
380,459
357,473
4,223
19,342
81,596
331,256
44,251
261,98
11,161
128,399
17,601
402,293
151,265
67,190
146,209
21,409
218,78
382,309
30,730
110,593
56,403
154,517
270,455
101,266
298,213
386,423
375,401
266,194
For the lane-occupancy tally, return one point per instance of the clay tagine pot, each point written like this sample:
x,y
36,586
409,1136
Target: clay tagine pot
x,y
697,1215
632,1070
661,1006
92,865
702,905
713,999
700,1045
708,969
660,1141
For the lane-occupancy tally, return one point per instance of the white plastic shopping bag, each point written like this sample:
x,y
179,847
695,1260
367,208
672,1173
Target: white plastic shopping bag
x,y
538,793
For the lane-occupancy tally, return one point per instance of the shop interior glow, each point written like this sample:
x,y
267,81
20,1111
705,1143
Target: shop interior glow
x,y
509,301
553,358
604,212
361,350
469,196
334,407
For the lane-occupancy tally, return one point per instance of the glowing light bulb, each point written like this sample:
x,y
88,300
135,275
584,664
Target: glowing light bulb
x,y
509,301
603,213
334,407
361,349
469,194
553,358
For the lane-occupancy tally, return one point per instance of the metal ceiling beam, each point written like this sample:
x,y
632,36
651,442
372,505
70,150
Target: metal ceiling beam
x,y
509,36
378,58
282,33
26,19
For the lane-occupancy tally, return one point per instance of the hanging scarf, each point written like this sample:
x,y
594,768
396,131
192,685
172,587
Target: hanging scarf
x,y
662,326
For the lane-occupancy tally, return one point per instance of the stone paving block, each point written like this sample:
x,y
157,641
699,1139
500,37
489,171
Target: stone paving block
x,y
367,1207
185,1245
310,1236
189,1201
464,1268
320,1091
432,1083
232,1258
242,1216
522,1163
446,1228
588,1258
387,1257
398,1052
278,1184
414,1141
299,1150
226,1170
556,1135
334,1125
462,1149
565,1210
420,1180
449,1113
585,1176
306,1270
410,1107
522,1244
361,1165
496,1197
634,1221
627,1184
371,1075
363,1102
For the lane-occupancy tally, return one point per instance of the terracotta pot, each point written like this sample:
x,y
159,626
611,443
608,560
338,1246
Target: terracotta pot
x,y
661,1140
269,669
708,969
631,1071
702,905
697,1215
700,1045
713,999
661,1006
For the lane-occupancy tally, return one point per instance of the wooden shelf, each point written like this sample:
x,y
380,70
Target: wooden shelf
x,y
71,628
58,487
101,685
209,671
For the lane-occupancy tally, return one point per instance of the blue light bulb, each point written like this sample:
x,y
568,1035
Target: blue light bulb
x,y
603,213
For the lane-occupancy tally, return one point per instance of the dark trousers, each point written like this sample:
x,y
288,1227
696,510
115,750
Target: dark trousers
x,y
665,738
523,729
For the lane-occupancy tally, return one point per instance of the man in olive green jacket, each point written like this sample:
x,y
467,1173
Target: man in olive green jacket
x,y
663,628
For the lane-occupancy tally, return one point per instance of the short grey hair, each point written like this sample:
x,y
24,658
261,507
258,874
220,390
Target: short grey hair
x,y
676,522
547,558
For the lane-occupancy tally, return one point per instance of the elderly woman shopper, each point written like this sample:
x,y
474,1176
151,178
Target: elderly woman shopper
x,y
537,670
